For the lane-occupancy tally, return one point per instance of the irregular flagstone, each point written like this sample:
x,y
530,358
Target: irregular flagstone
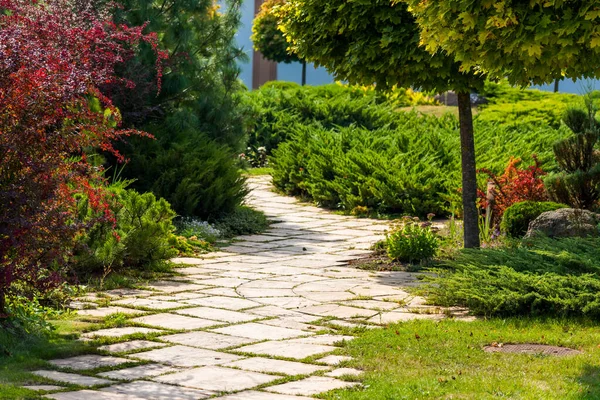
x,y
330,340
128,292
261,332
179,296
226,282
218,314
221,291
207,340
175,321
287,302
44,388
73,379
185,356
392,317
333,359
150,304
273,311
255,293
372,304
334,310
142,371
230,303
254,395
338,373
131,346
174,287
118,332
157,391
286,349
88,361
268,365
105,311
310,386
217,379
92,395
290,323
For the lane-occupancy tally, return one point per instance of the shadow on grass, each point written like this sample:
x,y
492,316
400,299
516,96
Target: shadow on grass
x,y
590,378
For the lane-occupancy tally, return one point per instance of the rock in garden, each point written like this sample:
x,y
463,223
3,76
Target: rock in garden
x,y
566,222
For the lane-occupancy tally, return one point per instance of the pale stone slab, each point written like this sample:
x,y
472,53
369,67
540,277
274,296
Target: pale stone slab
x,y
88,361
178,296
150,304
254,292
254,395
268,365
288,302
131,346
184,356
392,317
334,310
328,296
141,371
217,314
286,349
92,395
323,339
333,360
127,292
217,378
338,373
174,321
230,303
261,332
105,311
225,282
207,340
372,304
290,323
45,388
174,287
118,332
73,379
310,386
157,391
221,291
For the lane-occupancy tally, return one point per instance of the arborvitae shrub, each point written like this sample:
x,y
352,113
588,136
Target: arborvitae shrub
x,y
517,217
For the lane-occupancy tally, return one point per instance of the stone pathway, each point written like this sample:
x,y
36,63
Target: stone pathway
x,y
256,321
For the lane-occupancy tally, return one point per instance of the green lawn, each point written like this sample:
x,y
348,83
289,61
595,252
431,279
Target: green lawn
x,y
445,360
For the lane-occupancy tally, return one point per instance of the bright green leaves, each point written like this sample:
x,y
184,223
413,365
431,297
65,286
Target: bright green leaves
x,y
266,35
534,41
370,41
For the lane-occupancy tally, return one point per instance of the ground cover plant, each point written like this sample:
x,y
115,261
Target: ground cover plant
x,y
445,359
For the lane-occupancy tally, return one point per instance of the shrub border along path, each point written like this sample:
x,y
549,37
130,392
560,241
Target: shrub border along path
x,y
254,321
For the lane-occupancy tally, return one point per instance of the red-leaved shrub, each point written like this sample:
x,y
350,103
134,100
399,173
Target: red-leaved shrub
x,y
513,186
53,57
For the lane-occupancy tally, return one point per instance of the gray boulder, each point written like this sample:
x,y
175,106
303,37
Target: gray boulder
x,y
566,222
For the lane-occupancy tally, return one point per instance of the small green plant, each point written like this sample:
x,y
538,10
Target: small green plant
x,y
412,241
243,221
517,217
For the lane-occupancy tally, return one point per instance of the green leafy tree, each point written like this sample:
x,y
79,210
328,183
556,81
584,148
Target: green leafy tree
x,y
534,41
268,38
366,42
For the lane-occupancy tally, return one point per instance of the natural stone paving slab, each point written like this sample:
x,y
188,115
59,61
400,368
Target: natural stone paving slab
x,y
142,371
217,314
334,310
253,292
310,386
150,304
221,291
226,282
261,331
217,379
174,287
175,321
74,379
333,359
45,388
288,302
230,303
327,296
178,296
322,339
392,317
105,311
88,361
92,395
290,323
268,365
118,332
338,373
131,346
207,340
157,391
286,349
254,395
185,356
128,292
372,304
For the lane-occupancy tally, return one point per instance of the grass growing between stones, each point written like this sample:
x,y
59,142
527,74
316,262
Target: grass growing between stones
x,y
443,360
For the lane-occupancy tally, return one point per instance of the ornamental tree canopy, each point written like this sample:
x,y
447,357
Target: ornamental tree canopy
x,y
266,36
533,41
369,41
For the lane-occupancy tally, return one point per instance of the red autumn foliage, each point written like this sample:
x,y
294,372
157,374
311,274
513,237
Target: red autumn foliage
x,y
513,186
53,57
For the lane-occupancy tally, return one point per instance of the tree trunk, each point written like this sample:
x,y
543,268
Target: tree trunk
x,y
303,73
556,85
469,172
